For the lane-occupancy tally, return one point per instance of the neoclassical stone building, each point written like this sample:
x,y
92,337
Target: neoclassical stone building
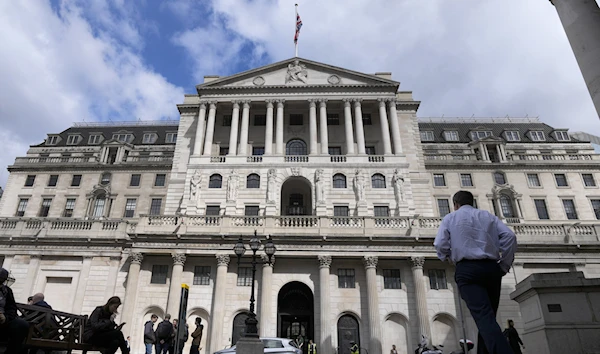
x,y
335,166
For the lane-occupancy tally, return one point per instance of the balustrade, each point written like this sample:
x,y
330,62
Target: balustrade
x,y
217,159
376,158
254,159
338,158
346,222
71,225
296,158
297,221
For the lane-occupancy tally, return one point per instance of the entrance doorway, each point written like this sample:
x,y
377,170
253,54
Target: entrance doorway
x,y
347,331
295,313
239,327
296,197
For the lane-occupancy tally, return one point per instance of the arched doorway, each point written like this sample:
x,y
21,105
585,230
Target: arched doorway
x,y
296,147
296,197
295,312
348,331
239,327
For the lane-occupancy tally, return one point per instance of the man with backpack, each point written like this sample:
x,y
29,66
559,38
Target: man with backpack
x,y
164,334
149,335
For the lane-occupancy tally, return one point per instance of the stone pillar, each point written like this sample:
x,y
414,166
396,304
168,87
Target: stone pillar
x,y
360,132
131,291
175,285
373,305
421,295
581,21
269,129
266,287
7,263
244,129
210,128
313,126
395,127
218,304
233,134
84,275
326,346
113,273
348,127
32,270
385,128
323,126
200,129
279,132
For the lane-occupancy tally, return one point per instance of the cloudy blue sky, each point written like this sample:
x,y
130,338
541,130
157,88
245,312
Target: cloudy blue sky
x,y
64,61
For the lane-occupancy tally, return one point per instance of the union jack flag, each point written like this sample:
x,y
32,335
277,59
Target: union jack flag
x,y
298,26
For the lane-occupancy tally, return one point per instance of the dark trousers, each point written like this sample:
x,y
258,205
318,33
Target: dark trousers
x,y
479,283
195,349
162,348
15,331
111,340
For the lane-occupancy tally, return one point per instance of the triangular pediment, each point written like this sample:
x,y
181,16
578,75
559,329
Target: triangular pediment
x,y
298,72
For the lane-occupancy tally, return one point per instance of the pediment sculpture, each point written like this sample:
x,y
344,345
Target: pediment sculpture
x,y
296,72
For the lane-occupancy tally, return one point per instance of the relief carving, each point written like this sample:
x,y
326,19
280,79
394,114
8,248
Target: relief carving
x,y
324,261
178,258
370,261
319,186
222,260
417,262
136,258
232,187
272,186
195,185
359,186
398,181
296,72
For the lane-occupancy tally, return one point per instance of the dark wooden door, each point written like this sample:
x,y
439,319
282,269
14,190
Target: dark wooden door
x,y
348,331
239,327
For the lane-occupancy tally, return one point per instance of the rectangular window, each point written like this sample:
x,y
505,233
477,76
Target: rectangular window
x,y
346,278
76,181
542,210
561,180
533,180
69,208
72,139
296,119
367,119
595,206
159,274
130,207
52,140
30,181
333,119
451,135
537,135
382,211
562,136
258,150
52,181
335,150
439,180
171,138
391,279
94,139
149,138
159,180
251,210
588,180
427,135
260,120
512,135
155,206
476,135
135,180
227,120
340,210
98,210
123,137
201,275
244,276
437,279
213,210
45,208
223,151
569,205
370,150
443,207
466,180
22,206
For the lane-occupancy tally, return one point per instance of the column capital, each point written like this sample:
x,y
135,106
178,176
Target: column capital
x,y
236,103
222,259
136,257
279,102
347,101
417,261
382,101
203,104
212,104
178,258
312,102
322,102
357,102
265,260
324,261
269,103
370,261
245,103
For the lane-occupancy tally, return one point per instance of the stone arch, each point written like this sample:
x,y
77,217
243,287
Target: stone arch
x,y
396,331
444,330
191,322
296,312
296,196
348,329
238,327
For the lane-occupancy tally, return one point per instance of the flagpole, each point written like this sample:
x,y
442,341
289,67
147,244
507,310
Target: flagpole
x,y
295,20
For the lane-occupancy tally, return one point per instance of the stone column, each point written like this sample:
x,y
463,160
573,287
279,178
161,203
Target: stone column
x,y
84,275
244,129
131,291
269,129
233,134
175,285
323,126
7,263
210,128
266,287
200,129
32,270
279,131
385,128
218,304
373,305
360,132
326,346
348,126
421,295
395,127
313,126
113,273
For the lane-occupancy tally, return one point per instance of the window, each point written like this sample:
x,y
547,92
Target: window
x,y
171,138
227,120
499,178
427,135
73,139
346,278
159,274
123,137
52,140
569,205
258,150
533,180
443,207
98,210
76,181
223,151
155,206
213,210
295,147
437,279
439,180
512,135
370,150
22,206
201,275
52,181
595,206
253,181
130,207
339,181
94,139
381,211
378,181
335,150
30,181
251,210
506,206
159,180
561,180
588,180
537,135
244,276
333,119
391,279
451,135
542,210
296,119
105,178
476,135
466,180
149,138
215,181
260,120
69,208
46,202
367,119
135,180
341,210
562,136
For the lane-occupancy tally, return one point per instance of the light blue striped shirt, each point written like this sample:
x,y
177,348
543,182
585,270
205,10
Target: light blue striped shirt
x,y
470,233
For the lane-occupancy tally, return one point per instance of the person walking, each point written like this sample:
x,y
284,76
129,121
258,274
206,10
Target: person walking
x,y
354,349
197,337
513,338
312,347
149,335
393,350
101,329
164,333
12,327
483,249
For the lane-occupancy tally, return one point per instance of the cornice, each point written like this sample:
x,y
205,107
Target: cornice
x,y
294,90
525,166
188,108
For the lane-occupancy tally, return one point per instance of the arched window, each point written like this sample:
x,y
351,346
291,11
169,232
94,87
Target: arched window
x,y
253,181
499,178
215,181
378,181
105,179
507,206
339,180
296,147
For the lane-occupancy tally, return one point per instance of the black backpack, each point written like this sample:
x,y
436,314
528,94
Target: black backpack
x,y
164,330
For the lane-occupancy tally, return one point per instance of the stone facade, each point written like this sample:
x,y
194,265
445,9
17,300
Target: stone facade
x,y
335,166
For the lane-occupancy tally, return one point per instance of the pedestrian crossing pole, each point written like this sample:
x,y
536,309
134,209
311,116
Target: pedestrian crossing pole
x,y
181,319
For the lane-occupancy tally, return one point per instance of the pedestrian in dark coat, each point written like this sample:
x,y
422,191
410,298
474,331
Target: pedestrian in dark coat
x,y
12,326
164,335
513,338
197,337
101,329
149,335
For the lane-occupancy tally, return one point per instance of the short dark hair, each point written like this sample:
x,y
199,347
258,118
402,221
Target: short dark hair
x,y
463,198
154,316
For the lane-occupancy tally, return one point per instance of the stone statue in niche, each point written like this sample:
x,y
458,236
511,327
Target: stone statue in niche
x,y
359,186
232,187
398,186
272,186
195,185
319,186
296,72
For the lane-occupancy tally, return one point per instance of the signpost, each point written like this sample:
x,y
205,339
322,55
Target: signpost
x,y
181,318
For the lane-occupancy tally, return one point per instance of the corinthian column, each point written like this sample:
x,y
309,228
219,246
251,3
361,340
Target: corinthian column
x,y
373,301
266,287
218,305
269,129
323,126
348,126
312,116
131,291
210,128
244,130
279,131
233,134
395,126
421,295
360,132
175,286
326,346
200,129
385,128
